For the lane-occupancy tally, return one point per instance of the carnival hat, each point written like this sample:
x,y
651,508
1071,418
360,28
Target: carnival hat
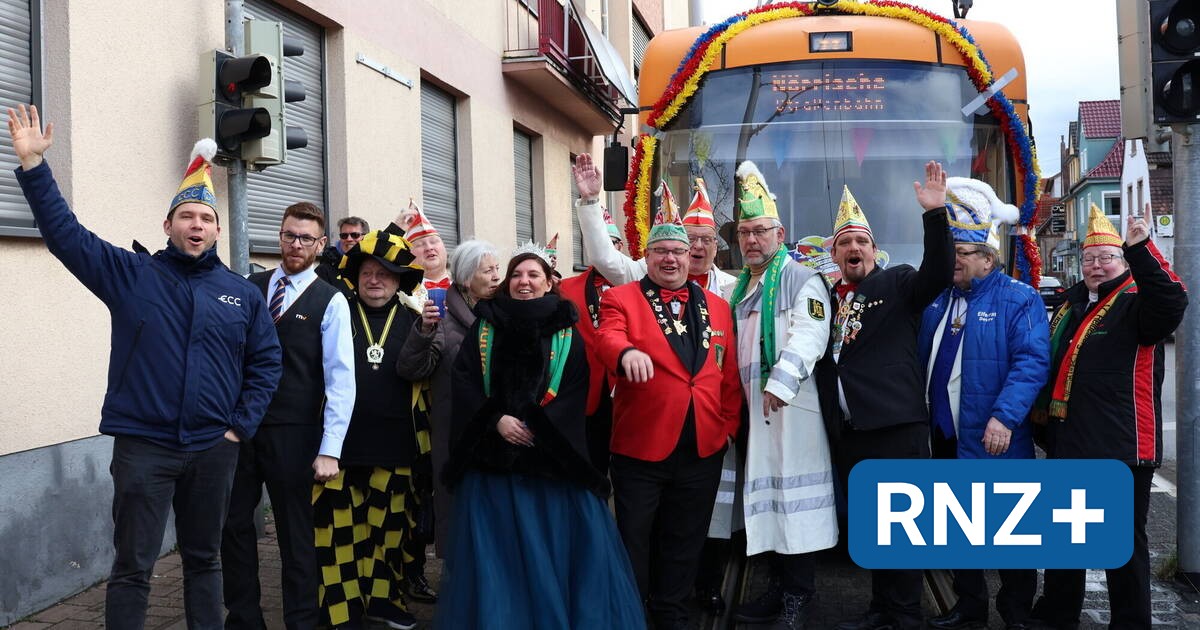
x,y
700,212
197,186
755,200
976,212
390,250
1101,231
530,247
420,227
667,226
850,217
611,226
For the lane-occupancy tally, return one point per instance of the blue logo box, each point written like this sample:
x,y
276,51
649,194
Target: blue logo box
x,y
991,514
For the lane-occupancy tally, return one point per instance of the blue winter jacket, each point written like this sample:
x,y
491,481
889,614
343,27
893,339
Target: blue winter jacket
x,y
194,350
1005,359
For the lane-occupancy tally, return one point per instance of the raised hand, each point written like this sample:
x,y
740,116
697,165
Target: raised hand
x,y
587,177
1136,231
28,141
933,194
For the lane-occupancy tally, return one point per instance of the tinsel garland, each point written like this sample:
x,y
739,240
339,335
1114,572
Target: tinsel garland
x,y
708,47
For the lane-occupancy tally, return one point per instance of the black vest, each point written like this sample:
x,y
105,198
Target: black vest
x,y
300,397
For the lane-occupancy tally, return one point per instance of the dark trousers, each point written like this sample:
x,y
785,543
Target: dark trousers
x,y
894,592
678,494
280,456
1014,600
796,572
148,480
1128,586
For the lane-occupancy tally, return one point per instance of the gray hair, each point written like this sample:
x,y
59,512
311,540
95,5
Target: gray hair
x,y
466,258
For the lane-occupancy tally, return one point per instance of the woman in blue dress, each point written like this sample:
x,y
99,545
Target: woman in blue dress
x,y
533,544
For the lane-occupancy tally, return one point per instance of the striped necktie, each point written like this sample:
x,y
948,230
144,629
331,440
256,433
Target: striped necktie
x,y
277,298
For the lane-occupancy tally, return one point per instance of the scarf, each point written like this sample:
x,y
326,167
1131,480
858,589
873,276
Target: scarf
x,y
770,282
1065,375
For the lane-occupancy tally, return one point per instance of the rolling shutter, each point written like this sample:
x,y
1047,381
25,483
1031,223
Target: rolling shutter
x,y
439,163
523,172
16,86
302,178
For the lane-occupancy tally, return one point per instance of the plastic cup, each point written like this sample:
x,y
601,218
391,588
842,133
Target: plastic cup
x,y
438,295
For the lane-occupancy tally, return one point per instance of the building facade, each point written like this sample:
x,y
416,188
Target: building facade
x,y
473,109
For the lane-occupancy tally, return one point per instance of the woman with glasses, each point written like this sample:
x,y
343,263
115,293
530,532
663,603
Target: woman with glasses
x,y
533,544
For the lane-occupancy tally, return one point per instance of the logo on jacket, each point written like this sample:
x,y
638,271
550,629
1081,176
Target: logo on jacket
x,y
816,309
232,300
1005,514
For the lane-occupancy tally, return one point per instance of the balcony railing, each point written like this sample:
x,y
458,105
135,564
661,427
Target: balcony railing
x,y
553,31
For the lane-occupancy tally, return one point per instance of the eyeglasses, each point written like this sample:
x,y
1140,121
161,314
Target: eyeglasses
x,y
663,251
706,240
756,233
346,235
964,253
1104,259
291,237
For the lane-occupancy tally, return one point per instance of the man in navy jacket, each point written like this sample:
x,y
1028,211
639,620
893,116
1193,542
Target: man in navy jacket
x,y
986,346
194,363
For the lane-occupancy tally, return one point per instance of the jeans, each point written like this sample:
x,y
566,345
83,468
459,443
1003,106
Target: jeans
x,y
148,480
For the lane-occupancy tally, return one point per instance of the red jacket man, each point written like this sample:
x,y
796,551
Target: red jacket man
x,y
676,404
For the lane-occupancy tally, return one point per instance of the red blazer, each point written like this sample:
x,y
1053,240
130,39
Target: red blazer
x,y
574,290
648,417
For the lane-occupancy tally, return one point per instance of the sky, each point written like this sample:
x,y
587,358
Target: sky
x,y
1070,51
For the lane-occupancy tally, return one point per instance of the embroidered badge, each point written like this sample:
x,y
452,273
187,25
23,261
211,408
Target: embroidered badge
x,y
816,309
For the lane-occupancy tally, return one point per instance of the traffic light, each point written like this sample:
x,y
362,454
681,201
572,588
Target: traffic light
x,y
266,39
243,98
1175,60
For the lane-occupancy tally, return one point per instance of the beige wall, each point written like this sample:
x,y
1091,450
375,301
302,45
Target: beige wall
x,y
119,167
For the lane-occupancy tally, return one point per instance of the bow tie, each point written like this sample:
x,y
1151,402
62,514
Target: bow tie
x,y
701,280
844,288
444,283
669,295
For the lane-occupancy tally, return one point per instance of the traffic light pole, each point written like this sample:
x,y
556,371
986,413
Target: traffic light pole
x,y
1186,169
239,238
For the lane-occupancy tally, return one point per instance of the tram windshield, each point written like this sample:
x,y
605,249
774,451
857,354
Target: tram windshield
x,y
812,127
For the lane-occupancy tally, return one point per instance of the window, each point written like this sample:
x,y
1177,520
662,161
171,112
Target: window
x,y
19,72
641,39
439,162
1141,198
523,183
303,177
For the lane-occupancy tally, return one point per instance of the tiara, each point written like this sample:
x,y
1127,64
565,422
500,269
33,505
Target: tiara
x,y
529,247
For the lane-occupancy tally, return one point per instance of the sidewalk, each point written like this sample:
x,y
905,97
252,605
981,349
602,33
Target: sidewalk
x,y
843,589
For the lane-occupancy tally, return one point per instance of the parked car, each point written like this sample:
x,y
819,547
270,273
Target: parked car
x,y
1053,292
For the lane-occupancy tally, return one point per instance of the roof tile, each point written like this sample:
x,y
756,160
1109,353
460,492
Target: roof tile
x,y
1112,163
1100,119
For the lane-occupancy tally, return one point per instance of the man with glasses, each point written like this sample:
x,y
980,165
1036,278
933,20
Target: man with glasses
x,y
350,232
676,405
782,310
301,436
619,268
194,361
987,351
1104,396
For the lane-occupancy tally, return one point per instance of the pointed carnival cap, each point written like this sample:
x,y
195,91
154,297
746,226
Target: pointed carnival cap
x,y
755,200
552,250
420,227
850,217
977,212
611,225
667,226
390,250
1101,231
197,186
700,211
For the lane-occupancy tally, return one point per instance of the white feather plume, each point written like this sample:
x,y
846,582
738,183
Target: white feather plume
x,y
206,148
747,168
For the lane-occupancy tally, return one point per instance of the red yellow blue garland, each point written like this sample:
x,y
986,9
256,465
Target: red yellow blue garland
x,y
708,47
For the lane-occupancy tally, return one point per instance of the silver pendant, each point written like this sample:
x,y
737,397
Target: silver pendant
x,y
375,355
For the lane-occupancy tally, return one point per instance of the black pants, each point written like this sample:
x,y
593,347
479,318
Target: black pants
x,y
678,493
894,592
148,480
280,456
1014,600
1128,586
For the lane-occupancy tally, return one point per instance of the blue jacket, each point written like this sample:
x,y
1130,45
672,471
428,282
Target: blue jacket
x,y
194,350
1005,359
